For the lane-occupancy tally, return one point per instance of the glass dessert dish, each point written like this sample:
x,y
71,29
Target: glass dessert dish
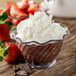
x,y
39,53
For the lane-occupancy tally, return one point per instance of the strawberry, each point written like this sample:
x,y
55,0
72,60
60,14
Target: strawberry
x,y
8,11
8,6
9,52
23,4
5,27
16,22
13,53
9,19
25,1
33,8
1,10
16,12
4,32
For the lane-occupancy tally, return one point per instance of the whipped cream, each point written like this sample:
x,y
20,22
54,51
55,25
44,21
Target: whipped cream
x,y
41,28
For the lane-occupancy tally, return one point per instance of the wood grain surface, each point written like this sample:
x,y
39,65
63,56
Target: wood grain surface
x,y
66,60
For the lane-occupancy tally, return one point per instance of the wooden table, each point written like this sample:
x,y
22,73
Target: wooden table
x,y
66,60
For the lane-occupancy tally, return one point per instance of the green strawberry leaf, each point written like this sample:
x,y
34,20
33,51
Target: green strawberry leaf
x,y
1,58
1,22
3,16
5,53
0,42
9,24
5,49
4,44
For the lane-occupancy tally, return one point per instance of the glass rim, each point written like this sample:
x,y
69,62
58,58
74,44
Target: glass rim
x,y
38,43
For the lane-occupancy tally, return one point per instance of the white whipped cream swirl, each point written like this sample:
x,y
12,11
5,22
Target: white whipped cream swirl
x,y
40,28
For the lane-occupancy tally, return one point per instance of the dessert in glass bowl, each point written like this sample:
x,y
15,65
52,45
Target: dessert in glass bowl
x,y
40,39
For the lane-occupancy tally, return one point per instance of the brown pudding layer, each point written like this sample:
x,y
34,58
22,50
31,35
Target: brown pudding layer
x,y
42,53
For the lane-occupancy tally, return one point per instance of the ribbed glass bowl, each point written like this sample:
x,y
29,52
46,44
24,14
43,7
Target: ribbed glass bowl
x,y
40,55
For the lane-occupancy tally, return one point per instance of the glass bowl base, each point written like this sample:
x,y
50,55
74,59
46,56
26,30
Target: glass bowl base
x,y
42,65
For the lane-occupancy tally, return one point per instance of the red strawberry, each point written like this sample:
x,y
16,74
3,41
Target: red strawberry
x,y
16,12
16,22
5,27
8,11
23,4
1,10
13,53
9,19
25,1
33,8
4,32
4,37
8,6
